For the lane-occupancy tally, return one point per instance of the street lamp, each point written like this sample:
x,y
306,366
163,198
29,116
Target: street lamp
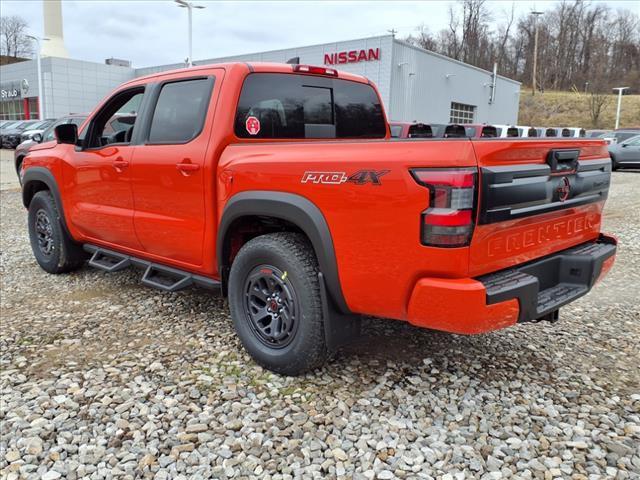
x,y
39,64
620,90
535,14
189,6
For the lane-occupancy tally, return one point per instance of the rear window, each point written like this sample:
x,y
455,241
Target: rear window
x,y
489,132
274,105
454,131
420,130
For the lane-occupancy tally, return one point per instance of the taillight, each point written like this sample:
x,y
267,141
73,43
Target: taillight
x,y
315,70
448,222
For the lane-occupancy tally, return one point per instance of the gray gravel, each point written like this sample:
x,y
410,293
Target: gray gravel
x,y
103,378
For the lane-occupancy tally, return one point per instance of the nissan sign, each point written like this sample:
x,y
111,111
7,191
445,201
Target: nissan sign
x,y
352,56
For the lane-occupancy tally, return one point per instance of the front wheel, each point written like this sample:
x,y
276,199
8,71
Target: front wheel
x,y
54,250
275,301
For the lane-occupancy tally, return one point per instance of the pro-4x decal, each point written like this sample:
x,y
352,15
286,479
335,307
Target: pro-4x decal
x,y
361,177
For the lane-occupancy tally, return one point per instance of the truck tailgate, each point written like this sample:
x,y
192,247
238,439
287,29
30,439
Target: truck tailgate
x,y
536,197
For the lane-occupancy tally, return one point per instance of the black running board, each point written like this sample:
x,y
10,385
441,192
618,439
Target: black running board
x,y
158,276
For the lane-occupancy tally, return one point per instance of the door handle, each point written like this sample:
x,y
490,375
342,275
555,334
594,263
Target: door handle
x,y
187,168
120,164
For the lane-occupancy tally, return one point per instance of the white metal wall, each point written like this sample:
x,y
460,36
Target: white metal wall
x,y
378,72
423,85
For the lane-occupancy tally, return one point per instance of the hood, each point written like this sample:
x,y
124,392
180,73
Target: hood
x,y
43,146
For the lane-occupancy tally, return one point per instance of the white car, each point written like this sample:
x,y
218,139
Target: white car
x,y
525,131
507,131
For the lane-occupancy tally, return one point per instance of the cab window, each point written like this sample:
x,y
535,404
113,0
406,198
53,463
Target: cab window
x,y
274,105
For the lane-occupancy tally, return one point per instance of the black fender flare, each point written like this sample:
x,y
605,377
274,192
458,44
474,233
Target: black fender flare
x,y
35,175
294,209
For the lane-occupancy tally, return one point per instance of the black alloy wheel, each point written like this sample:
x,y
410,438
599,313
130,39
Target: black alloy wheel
x,y
271,306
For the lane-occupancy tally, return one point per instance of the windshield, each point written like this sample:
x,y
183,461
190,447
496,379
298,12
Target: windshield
x,y
23,126
34,126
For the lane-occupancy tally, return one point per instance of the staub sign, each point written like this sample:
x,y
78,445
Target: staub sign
x,y
14,90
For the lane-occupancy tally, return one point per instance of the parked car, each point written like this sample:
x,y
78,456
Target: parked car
x,y
618,136
596,133
6,123
11,136
37,128
410,130
507,131
574,132
478,130
626,153
226,180
47,135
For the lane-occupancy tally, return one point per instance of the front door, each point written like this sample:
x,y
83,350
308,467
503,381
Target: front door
x,y
98,177
168,166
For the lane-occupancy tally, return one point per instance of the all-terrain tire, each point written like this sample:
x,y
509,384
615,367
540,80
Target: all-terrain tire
x,y
54,250
287,262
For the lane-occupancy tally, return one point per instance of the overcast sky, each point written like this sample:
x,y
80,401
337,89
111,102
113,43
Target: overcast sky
x,y
150,32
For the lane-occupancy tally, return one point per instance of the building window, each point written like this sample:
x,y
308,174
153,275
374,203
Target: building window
x,y
461,113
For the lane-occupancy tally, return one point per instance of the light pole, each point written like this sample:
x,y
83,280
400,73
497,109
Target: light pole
x,y
620,90
189,6
39,67
535,49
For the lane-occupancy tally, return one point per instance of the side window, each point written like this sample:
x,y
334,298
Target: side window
x,y
180,111
116,121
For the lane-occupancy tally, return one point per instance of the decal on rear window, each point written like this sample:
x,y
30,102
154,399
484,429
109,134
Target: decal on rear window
x,y
252,125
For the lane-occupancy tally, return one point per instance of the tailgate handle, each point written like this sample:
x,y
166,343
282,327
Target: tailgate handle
x,y
563,161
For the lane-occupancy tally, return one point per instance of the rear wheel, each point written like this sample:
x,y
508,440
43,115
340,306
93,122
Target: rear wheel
x,y
275,302
54,250
614,164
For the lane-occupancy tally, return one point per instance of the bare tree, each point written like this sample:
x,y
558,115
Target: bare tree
x,y
579,43
13,37
597,103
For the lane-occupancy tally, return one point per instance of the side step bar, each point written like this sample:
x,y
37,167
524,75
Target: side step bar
x,y
158,276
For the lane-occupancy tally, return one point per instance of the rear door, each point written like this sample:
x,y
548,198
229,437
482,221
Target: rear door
x,y
536,198
168,167
629,152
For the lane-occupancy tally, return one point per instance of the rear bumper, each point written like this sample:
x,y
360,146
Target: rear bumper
x,y
528,292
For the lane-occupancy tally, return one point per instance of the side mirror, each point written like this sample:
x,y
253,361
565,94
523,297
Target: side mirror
x,y
67,133
37,137
624,145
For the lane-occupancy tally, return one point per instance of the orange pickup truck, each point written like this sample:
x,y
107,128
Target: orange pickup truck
x,y
279,186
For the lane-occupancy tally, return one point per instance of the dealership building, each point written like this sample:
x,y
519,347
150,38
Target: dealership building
x,y
415,84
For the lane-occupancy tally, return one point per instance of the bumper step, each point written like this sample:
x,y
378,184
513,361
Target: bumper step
x,y
544,285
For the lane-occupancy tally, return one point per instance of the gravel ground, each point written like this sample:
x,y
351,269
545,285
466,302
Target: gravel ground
x,y
103,378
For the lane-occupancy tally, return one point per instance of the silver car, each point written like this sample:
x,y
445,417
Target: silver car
x,y
626,153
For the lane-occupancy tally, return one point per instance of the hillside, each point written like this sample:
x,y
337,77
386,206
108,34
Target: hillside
x,y
572,109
